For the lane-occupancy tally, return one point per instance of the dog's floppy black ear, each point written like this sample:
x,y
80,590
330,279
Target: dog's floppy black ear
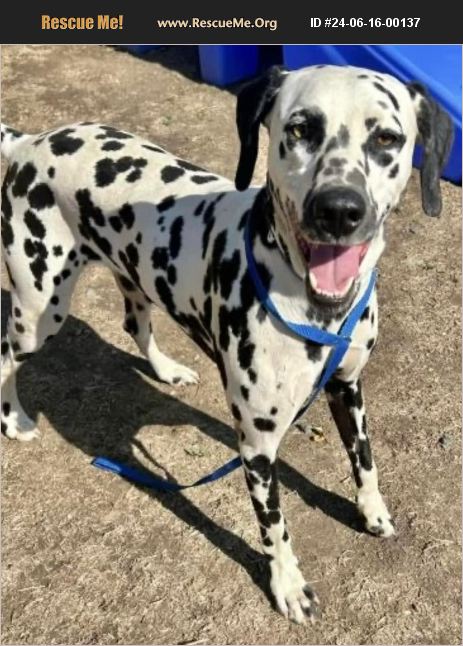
x,y
255,101
435,129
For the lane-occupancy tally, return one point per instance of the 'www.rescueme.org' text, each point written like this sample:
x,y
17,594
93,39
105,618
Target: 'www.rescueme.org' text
x,y
217,23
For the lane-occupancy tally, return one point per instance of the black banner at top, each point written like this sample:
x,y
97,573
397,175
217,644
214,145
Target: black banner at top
x,y
166,23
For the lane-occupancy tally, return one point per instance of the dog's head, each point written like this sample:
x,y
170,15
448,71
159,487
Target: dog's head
x,y
341,142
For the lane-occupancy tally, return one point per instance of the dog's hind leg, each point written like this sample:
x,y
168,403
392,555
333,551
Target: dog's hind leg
x,y
138,324
43,264
36,316
346,404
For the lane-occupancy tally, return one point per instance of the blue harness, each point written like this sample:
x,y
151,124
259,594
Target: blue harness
x,y
339,343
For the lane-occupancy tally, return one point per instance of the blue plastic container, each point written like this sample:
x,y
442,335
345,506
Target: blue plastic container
x,y
225,64
437,66
140,49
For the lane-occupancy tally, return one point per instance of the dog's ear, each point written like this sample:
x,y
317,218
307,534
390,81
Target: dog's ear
x,y
435,130
255,101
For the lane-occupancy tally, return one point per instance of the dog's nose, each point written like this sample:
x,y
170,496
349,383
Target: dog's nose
x,y
335,212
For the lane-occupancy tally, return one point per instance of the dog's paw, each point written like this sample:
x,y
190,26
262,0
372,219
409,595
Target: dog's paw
x,y
378,520
175,373
18,426
293,596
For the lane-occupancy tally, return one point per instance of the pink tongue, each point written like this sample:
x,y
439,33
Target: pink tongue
x,y
334,266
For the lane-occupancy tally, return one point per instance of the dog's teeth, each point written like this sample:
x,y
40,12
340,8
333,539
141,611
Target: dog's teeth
x,y
314,285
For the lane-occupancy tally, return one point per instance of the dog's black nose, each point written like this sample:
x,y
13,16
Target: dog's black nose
x,y
335,212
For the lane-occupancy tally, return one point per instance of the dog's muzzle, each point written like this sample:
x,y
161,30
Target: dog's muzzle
x,y
333,240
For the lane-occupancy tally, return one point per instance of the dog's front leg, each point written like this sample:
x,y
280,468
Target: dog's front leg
x,y
346,405
293,597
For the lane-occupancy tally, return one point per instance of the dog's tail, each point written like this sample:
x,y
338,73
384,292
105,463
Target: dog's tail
x,y
11,139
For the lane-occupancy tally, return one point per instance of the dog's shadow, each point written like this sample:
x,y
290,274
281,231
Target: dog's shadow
x,y
80,367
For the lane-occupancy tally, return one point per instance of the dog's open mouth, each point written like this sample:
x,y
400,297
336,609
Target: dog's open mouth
x,y
332,270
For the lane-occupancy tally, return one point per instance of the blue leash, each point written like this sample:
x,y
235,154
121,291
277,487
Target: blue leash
x,y
148,480
339,342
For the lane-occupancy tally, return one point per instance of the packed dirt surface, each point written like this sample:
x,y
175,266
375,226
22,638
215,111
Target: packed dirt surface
x,y
90,558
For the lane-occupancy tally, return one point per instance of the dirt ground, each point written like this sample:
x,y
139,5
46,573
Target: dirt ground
x,y
89,558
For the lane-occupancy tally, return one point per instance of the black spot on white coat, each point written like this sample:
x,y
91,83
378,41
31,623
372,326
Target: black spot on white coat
x,y
24,178
62,142
41,197
171,173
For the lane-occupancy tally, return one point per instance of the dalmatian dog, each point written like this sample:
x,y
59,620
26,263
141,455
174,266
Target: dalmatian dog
x,y
341,141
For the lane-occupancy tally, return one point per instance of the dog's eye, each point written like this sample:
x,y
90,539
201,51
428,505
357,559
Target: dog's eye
x,y
297,130
384,139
